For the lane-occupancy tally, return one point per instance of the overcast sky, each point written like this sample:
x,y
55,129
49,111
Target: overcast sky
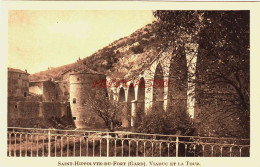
x,y
41,39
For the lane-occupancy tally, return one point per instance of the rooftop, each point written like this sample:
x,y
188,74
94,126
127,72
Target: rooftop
x,y
45,80
17,70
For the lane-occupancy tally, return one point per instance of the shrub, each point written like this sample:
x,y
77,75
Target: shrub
x,y
137,49
170,123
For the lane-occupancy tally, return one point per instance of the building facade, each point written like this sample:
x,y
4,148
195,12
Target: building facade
x,y
46,89
18,84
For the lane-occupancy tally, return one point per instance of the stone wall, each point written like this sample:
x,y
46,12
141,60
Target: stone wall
x,y
20,112
49,91
28,109
53,109
62,90
33,98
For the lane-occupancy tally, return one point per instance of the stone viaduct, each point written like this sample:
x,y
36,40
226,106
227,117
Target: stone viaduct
x,y
151,89
154,88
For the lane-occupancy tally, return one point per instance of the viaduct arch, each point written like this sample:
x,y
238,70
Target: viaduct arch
x,y
158,87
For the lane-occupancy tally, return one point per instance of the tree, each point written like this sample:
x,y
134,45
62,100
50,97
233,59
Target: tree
x,y
107,108
220,79
168,123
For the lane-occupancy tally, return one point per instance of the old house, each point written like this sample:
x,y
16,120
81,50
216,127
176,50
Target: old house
x,y
44,88
30,103
18,84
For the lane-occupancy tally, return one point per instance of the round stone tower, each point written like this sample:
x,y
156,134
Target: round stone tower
x,y
84,85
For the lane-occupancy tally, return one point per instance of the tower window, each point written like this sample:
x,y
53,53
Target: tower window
x,y
74,101
15,106
20,75
74,118
25,94
77,79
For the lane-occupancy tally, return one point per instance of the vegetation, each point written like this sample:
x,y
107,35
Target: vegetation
x,y
161,122
108,109
220,82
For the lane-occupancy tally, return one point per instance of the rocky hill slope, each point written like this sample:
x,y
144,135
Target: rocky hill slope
x,y
119,59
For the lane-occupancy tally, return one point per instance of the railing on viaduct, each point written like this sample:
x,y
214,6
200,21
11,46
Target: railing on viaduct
x,y
28,142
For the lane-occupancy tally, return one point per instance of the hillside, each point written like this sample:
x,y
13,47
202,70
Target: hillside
x,y
123,56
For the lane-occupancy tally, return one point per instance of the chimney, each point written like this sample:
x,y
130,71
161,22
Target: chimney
x,y
25,70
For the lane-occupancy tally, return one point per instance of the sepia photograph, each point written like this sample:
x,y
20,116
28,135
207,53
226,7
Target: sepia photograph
x,y
149,83
129,84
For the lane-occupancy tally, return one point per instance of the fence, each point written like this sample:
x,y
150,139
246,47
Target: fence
x,y
28,142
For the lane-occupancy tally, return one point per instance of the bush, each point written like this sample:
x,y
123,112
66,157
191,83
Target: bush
x,y
137,49
169,123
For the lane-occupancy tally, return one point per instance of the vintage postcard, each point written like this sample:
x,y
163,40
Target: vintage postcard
x,y
130,84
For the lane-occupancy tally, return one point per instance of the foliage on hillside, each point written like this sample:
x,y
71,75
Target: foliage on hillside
x,y
118,57
221,81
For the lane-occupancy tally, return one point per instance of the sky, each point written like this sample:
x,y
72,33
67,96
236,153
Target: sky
x,y
39,39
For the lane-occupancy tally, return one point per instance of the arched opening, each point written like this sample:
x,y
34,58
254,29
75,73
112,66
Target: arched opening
x,y
130,98
122,100
177,90
141,101
121,95
131,93
158,89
